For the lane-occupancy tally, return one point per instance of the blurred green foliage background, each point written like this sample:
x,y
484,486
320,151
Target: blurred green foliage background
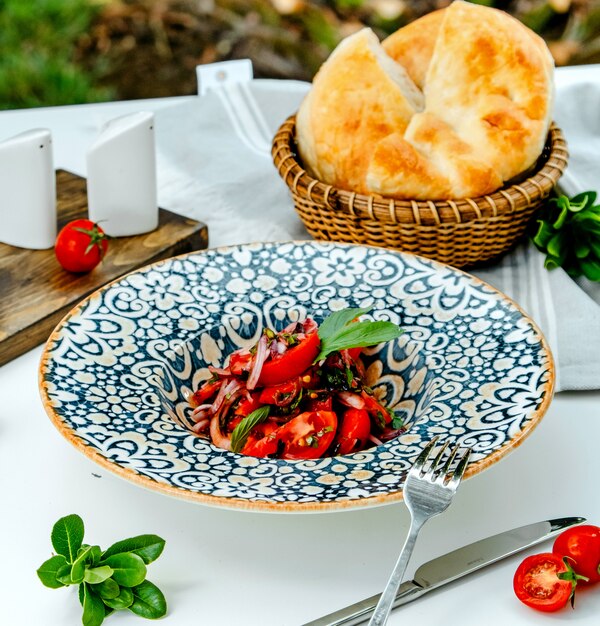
x,y
72,51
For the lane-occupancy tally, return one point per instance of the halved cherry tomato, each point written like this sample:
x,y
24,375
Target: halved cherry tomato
x,y
354,353
239,362
581,544
317,403
262,440
208,390
536,582
233,422
376,409
353,431
291,363
80,246
280,395
308,435
247,405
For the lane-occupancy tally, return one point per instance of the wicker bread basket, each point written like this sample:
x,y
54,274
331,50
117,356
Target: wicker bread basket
x,y
458,232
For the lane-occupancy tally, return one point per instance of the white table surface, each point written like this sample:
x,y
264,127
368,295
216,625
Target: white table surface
x,y
232,567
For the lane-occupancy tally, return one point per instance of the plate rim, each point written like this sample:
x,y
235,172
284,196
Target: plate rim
x,y
237,503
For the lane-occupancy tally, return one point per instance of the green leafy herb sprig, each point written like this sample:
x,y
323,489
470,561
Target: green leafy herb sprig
x,y
569,235
339,331
240,433
109,580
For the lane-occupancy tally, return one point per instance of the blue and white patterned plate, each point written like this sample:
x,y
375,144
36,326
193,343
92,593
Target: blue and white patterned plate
x,y
471,367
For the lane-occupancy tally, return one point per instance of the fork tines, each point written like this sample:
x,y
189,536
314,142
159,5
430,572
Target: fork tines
x,y
442,474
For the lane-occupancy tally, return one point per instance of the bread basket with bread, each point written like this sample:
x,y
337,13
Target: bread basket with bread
x,y
437,141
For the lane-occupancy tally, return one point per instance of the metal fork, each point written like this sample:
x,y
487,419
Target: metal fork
x,y
427,492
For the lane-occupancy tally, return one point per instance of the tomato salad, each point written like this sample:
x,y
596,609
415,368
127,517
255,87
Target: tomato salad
x,y
298,393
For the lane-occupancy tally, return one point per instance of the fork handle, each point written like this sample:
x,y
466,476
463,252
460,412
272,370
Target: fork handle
x,y
386,601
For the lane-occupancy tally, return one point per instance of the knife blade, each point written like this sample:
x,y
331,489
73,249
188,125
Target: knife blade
x,y
456,564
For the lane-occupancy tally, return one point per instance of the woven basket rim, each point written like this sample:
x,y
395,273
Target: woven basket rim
x,y
508,199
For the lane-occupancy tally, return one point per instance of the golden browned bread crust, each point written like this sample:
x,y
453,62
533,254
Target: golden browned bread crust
x,y
488,90
358,97
412,46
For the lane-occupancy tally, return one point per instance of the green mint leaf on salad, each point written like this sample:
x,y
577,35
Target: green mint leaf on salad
x,y
568,232
342,332
242,430
108,581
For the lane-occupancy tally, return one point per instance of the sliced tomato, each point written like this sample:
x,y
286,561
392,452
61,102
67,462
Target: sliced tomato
x,y
240,362
292,363
280,395
308,435
320,404
354,353
233,422
262,440
581,545
353,431
536,582
376,409
247,405
207,391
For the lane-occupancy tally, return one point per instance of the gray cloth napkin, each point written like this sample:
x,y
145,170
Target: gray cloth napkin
x,y
214,164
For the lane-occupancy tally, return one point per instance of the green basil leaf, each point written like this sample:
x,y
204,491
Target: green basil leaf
x,y
332,324
64,574
557,245
78,567
149,601
93,608
48,570
94,556
148,547
582,200
123,601
67,536
582,249
562,217
359,335
543,235
595,246
590,269
97,575
242,430
107,589
129,569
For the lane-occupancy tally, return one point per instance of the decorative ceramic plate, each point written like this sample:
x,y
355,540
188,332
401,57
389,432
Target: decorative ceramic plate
x,y
470,367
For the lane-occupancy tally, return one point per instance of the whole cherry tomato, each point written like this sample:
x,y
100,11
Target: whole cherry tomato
x,y
80,246
581,545
538,585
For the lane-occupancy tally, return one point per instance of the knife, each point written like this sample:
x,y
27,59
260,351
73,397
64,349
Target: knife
x,y
454,565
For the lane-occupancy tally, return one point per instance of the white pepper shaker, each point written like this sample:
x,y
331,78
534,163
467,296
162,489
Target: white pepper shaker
x,y
121,176
28,190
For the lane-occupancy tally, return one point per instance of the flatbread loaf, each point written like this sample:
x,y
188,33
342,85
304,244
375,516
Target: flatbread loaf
x,y
485,111
358,97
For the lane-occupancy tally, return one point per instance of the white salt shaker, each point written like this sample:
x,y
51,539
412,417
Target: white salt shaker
x,y
121,176
28,190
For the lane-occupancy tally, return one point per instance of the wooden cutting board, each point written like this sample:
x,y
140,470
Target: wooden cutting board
x,y
36,292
